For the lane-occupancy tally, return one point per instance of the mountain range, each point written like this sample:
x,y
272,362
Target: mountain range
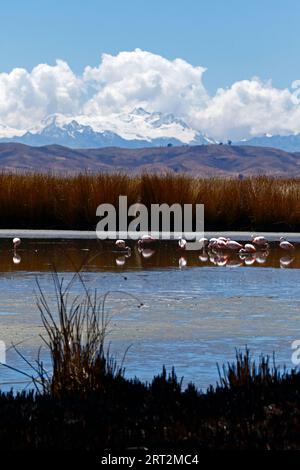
x,y
136,129
289,143
202,160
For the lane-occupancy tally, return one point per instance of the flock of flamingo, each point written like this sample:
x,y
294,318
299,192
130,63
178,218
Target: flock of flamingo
x,y
216,250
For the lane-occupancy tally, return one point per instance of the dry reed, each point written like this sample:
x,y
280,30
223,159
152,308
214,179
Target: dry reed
x,y
70,202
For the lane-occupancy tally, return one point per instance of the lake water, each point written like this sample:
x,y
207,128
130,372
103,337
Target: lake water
x,y
195,310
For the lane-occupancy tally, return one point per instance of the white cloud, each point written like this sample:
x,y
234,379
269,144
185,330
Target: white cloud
x,y
250,107
27,97
140,78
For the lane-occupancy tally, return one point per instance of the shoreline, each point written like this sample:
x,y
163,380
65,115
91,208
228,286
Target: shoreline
x,y
92,235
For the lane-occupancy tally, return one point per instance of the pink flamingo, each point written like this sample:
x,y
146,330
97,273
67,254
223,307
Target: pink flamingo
x,y
182,243
122,245
221,243
146,240
16,243
248,248
204,242
233,245
285,245
259,241
212,241
16,257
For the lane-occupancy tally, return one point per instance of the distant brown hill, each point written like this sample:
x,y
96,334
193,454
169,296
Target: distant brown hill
x,y
203,160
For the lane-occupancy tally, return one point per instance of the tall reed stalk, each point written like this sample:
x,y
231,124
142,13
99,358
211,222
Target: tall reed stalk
x,y
70,202
245,372
75,337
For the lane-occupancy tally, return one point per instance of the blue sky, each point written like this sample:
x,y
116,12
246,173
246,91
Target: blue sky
x,y
234,39
116,55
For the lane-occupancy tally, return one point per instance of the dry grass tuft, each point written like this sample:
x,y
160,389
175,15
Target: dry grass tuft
x,y
75,337
244,372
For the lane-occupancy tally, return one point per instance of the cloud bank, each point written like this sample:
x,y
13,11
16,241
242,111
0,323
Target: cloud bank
x,y
140,78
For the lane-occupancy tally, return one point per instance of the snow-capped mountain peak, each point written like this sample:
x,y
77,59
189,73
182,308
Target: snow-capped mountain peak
x,y
137,128
139,111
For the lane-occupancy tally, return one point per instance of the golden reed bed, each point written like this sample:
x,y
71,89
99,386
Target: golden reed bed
x,y
70,202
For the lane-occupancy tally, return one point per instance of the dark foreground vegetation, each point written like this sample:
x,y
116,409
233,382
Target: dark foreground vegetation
x,y
87,404
44,201
254,410
259,412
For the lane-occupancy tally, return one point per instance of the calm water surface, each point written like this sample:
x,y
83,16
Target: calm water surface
x,y
195,309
